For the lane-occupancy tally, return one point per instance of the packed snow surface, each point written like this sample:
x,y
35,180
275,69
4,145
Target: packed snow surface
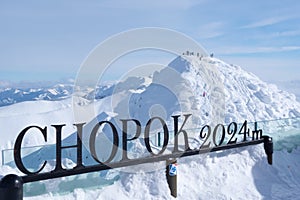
x,y
209,89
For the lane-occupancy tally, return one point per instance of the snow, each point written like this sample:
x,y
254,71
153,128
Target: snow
x,y
209,89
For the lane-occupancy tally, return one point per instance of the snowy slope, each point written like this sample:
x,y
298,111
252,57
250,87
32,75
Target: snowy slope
x,y
16,117
246,96
209,89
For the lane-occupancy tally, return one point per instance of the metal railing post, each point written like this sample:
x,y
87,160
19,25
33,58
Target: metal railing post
x,y
11,187
171,173
268,146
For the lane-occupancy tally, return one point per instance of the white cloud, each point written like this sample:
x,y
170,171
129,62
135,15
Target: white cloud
x,y
267,22
211,30
250,50
268,68
153,4
276,34
289,33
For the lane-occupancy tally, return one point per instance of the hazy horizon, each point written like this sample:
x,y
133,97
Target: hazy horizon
x,y
48,41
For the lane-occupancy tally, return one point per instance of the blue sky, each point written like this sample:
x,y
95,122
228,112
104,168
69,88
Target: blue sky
x,y
48,40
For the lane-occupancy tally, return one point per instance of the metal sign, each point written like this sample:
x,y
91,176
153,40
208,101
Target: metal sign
x,y
214,139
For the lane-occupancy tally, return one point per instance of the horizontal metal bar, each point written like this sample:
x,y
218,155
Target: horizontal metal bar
x,y
100,167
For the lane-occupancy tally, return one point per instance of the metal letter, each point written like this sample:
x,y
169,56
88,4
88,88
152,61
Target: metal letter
x,y
147,133
124,136
93,139
176,133
59,146
17,149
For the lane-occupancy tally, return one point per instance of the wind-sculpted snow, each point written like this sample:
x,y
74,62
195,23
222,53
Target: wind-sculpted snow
x,y
209,89
246,96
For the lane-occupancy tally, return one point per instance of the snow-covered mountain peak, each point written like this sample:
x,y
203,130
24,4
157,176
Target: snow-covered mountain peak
x,y
202,86
208,88
246,96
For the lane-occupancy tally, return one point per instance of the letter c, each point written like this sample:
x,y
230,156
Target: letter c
x,y
17,149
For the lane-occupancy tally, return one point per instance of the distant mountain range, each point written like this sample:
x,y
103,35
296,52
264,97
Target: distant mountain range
x,y
16,93
11,93
10,96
